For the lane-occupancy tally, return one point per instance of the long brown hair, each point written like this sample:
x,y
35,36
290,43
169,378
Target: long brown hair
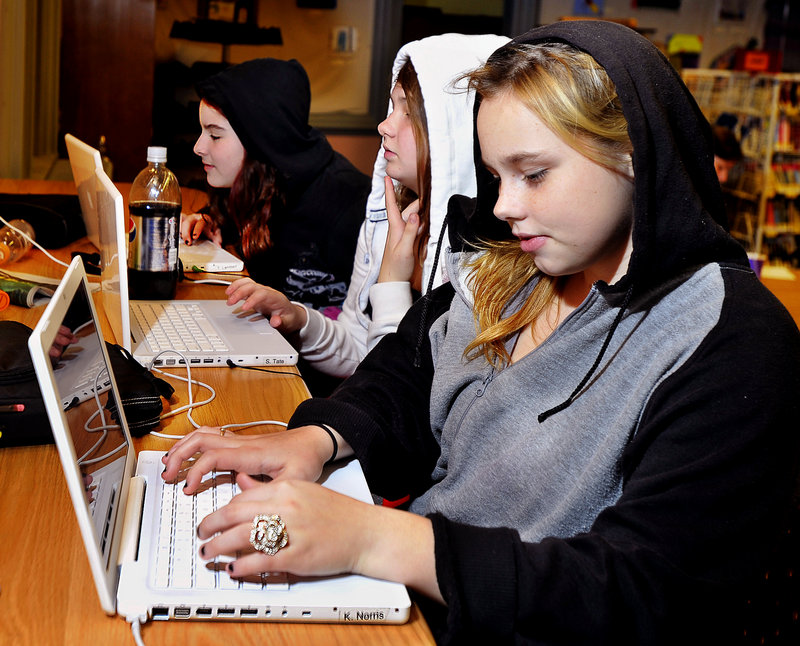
x,y
251,201
407,78
574,97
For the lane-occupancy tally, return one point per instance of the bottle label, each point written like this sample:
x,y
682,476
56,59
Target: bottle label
x,y
154,246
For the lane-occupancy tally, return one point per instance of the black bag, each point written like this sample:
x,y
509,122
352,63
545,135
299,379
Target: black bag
x,y
23,419
141,392
56,219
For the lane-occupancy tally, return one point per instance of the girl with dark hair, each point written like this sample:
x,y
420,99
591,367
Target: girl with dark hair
x,y
290,203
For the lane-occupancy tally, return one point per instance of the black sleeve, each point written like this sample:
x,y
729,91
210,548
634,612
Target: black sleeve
x,y
314,236
346,205
382,410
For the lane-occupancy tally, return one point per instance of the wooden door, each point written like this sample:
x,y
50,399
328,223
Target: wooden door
x,y
107,67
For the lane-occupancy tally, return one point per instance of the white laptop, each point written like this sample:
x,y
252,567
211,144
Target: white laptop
x,y
222,332
117,501
204,255
84,160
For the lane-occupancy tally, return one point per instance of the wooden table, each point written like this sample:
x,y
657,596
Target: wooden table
x,y
47,595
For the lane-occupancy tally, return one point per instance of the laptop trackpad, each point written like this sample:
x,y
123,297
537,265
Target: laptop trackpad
x,y
234,321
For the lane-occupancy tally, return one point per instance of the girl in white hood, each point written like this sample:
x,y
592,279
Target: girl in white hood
x,y
434,164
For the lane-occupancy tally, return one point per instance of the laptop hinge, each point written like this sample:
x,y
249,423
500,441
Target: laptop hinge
x,y
131,525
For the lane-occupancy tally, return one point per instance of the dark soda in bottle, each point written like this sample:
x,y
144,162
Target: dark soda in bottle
x,y
154,205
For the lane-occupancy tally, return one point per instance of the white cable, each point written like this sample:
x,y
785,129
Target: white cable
x,y
209,281
83,461
136,629
192,404
83,325
103,426
258,423
189,381
33,242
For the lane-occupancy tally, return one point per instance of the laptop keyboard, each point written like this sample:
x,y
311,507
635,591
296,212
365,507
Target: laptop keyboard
x,y
178,564
173,325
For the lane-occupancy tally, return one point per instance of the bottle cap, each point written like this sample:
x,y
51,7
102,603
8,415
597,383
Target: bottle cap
x,y
156,154
5,299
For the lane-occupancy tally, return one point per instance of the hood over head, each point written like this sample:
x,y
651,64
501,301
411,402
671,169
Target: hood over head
x,y
267,102
678,207
439,61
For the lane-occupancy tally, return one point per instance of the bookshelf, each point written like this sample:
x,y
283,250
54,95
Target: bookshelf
x,y
764,112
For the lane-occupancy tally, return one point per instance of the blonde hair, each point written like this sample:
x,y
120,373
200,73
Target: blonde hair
x,y
574,97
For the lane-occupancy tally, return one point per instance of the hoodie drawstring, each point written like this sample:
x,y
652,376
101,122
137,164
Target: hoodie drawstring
x,y
565,404
556,409
426,298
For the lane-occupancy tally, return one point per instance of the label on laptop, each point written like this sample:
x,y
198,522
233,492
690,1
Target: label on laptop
x,y
367,615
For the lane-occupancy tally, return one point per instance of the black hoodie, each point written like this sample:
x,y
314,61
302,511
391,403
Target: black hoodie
x,y
697,391
267,103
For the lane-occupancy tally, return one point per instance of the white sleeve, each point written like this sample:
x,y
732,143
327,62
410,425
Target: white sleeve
x,y
390,301
329,345
336,347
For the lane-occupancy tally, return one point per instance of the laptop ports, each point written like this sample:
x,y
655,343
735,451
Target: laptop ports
x,y
160,612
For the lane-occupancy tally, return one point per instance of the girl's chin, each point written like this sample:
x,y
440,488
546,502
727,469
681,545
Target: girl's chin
x,y
214,182
408,183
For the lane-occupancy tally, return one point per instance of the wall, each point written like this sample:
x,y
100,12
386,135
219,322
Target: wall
x,y
107,64
339,81
28,85
361,150
15,150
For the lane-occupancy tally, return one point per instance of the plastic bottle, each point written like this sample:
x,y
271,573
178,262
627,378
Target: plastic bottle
x,y
13,245
154,204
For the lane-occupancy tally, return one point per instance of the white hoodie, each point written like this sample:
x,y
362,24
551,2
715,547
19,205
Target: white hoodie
x,y
337,347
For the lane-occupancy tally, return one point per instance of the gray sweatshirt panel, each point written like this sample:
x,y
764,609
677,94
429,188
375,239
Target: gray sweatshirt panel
x,y
563,472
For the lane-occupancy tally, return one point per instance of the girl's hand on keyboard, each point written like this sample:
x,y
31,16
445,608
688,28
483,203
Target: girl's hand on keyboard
x,y
298,453
283,315
329,533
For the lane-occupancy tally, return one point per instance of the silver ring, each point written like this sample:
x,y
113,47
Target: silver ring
x,y
268,534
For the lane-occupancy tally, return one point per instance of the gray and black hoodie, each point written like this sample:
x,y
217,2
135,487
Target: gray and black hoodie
x,y
623,482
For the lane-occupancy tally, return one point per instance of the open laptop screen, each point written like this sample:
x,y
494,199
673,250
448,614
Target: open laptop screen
x,y
95,451
82,384
84,161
